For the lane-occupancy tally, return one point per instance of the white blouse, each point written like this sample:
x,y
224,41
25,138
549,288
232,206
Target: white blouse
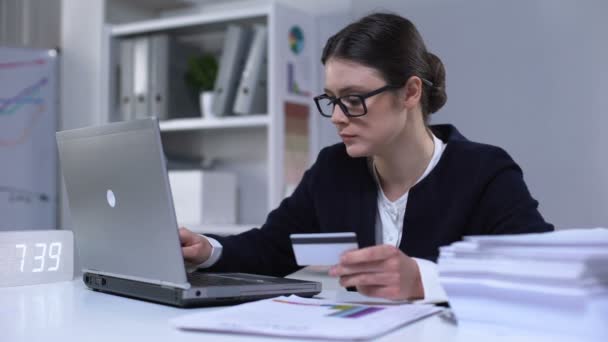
x,y
389,221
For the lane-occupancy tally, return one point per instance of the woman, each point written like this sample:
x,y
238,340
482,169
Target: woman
x,y
404,187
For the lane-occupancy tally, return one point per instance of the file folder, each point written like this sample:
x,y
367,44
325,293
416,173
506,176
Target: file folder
x,y
152,83
252,91
158,70
140,76
126,97
230,68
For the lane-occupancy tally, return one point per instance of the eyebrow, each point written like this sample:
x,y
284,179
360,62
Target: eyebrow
x,y
346,89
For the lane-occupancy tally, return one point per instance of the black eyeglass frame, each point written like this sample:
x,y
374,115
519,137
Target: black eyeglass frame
x,y
361,97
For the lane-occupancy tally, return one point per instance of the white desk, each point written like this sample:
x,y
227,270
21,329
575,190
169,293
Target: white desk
x,y
68,311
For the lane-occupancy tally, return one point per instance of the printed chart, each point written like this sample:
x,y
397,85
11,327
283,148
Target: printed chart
x,y
310,318
340,310
27,139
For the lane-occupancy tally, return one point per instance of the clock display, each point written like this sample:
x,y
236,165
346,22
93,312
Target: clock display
x,y
34,257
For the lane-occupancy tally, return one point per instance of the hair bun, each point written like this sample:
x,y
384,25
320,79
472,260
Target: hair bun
x,y
437,96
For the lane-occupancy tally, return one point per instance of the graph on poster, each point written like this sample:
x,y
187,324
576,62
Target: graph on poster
x,y
27,139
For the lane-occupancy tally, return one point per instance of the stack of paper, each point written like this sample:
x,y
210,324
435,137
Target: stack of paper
x,y
306,318
555,283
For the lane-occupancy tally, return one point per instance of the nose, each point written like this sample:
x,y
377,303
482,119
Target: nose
x,y
338,116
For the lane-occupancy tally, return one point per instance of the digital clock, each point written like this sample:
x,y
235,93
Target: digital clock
x,y
36,256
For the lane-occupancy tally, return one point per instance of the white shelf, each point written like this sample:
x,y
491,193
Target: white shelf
x,y
253,147
220,229
170,23
158,5
189,124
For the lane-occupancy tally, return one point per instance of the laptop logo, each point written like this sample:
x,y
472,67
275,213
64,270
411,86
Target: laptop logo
x,y
111,198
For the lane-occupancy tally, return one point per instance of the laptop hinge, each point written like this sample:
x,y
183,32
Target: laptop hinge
x,y
162,283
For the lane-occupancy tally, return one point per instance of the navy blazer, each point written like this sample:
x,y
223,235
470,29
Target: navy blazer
x,y
474,189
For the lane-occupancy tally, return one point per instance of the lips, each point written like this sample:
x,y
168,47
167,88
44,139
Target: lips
x,y
346,136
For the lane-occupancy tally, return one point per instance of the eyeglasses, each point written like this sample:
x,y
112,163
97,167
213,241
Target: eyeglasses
x,y
351,105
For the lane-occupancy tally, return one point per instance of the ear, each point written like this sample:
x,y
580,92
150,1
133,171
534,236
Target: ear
x,y
413,92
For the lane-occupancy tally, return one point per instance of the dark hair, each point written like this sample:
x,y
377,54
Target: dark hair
x,y
392,45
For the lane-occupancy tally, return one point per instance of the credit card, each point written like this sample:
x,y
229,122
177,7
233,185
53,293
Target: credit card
x,y
322,249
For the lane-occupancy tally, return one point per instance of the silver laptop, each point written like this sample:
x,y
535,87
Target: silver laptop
x,y
125,227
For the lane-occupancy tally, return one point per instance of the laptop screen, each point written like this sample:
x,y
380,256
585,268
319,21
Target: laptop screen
x,y
120,203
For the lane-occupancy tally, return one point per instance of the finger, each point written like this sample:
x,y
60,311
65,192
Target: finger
x,y
367,279
186,237
369,290
386,292
374,253
191,252
366,267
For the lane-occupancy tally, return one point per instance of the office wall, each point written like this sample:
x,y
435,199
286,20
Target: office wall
x,y
531,77
81,79
120,11
81,42
316,7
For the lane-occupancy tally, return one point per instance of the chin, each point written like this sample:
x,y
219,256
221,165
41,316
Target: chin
x,y
356,151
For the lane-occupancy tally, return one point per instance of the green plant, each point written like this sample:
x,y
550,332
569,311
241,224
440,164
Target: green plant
x,y
202,72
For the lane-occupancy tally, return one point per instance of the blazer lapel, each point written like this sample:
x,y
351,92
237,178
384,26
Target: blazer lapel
x,y
365,209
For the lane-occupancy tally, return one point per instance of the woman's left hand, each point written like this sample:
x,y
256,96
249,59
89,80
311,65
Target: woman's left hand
x,y
380,271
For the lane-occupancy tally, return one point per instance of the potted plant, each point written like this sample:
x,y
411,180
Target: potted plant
x,y
200,76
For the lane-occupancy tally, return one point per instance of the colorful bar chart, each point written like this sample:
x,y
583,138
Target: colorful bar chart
x,y
340,310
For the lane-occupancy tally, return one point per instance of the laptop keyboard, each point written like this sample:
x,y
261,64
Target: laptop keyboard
x,y
211,279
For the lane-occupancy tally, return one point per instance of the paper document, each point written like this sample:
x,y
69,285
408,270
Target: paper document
x,y
354,297
552,283
294,316
567,237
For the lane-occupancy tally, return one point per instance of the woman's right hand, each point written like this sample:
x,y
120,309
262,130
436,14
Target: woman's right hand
x,y
195,248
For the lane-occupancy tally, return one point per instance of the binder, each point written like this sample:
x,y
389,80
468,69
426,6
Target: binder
x,y
183,100
126,99
158,69
151,79
140,76
252,89
231,65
